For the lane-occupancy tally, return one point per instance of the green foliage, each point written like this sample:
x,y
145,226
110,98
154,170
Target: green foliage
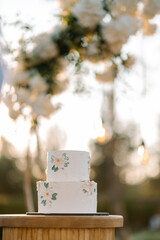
x,y
10,177
46,69
106,5
71,36
12,203
147,235
11,188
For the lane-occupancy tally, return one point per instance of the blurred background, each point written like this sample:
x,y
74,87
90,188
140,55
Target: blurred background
x,y
83,75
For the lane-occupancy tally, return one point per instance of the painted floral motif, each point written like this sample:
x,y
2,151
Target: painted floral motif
x,y
89,188
48,195
60,161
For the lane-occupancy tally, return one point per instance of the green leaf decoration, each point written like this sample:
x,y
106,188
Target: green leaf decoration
x,y
52,159
66,164
44,202
55,169
65,156
84,190
46,184
41,196
54,196
94,190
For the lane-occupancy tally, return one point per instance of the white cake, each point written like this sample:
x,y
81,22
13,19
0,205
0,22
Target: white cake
x,y
67,166
68,188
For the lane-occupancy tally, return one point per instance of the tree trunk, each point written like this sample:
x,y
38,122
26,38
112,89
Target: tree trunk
x,y
114,190
28,184
111,190
108,171
38,158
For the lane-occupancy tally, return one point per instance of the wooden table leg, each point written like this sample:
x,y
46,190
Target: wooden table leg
x,y
1,231
58,234
67,227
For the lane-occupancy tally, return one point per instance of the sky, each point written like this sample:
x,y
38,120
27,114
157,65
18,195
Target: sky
x,y
143,98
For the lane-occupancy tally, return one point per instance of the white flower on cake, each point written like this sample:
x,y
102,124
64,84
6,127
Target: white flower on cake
x,y
89,12
89,188
48,195
60,161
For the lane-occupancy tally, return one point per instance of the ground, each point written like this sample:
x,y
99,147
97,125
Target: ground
x,y
147,235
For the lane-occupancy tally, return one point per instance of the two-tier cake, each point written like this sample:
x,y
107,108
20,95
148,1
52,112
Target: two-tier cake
x,y
68,188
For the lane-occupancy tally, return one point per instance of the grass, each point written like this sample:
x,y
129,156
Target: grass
x,y
147,235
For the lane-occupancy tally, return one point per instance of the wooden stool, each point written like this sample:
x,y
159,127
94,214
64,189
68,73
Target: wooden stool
x,y
63,227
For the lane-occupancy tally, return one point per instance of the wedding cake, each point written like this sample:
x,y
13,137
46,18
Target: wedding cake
x,y
68,188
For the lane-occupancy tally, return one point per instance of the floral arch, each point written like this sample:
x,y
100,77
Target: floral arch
x,y
93,30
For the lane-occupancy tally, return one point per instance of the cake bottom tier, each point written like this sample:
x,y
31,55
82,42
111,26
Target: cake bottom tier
x,y
67,197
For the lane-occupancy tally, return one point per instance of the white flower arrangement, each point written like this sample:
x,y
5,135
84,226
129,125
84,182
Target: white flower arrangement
x,y
108,75
93,30
120,29
120,7
43,106
151,8
89,12
44,50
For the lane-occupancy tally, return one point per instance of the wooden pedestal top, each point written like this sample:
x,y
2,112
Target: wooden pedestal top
x,y
62,221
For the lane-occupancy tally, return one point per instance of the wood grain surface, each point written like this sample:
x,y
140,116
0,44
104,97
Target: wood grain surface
x,y
58,234
42,221
41,227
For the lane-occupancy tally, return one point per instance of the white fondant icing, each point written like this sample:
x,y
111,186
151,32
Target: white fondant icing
x,y
67,166
67,197
67,189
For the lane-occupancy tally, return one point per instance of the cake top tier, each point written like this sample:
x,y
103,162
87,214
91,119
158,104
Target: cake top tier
x,y
67,166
